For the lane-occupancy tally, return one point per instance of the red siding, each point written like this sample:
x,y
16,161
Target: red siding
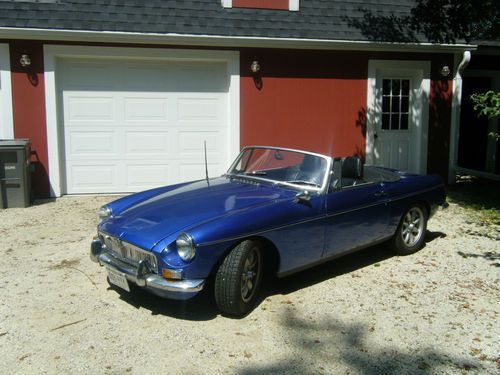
x,y
28,101
305,99
314,100
439,126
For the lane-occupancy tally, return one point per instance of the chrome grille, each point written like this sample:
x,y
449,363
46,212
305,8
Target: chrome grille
x,y
126,251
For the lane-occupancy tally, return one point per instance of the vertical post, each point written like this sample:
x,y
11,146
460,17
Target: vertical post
x,y
455,114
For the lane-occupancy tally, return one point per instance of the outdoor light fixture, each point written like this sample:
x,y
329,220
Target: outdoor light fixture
x,y
255,66
25,60
445,71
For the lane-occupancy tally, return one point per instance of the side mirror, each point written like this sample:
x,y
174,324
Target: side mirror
x,y
303,196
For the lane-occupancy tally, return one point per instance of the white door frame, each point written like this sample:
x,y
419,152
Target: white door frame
x,y
377,68
6,116
53,52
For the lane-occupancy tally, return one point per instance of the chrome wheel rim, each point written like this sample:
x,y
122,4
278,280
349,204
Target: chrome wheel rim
x,y
413,226
250,274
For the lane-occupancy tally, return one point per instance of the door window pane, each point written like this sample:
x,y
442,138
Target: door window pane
x,y
404,121
386,121
395,104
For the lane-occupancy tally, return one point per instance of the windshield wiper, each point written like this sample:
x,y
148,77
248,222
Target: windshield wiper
x,y
256,173
302,182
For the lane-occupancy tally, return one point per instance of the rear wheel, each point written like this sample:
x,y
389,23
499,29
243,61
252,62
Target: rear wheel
x,y
410,235
238,279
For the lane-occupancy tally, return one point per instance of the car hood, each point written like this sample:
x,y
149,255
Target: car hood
x,y
149,221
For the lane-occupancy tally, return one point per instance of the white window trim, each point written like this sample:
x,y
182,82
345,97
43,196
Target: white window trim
x,y
53,52
293,5
423,68
6,115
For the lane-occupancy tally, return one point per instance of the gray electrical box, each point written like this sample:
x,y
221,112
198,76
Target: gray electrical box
x,y
15,173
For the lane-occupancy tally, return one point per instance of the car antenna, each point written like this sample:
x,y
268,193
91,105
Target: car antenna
x,y
206,163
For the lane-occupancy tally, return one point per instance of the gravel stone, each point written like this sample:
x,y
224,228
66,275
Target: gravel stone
x,y
433,312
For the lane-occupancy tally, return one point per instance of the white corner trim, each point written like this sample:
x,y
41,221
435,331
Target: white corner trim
x,y
293,5
421,70
227,3
224,41
461,62
6,116
54,52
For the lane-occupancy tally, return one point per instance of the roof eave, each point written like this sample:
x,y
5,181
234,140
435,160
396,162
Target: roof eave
x,y
222,41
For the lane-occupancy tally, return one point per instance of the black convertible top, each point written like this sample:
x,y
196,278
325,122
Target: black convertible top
x,y
377,174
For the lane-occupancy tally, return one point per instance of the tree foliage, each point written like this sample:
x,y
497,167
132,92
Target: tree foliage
x,y
487,104
438,21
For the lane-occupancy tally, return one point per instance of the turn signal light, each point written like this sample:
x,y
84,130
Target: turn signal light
x,y
171,274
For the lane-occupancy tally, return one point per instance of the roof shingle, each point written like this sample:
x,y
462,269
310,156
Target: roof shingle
x,y
317,19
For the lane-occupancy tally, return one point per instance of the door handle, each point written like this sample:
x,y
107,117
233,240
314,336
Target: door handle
x,y
375,136
380,194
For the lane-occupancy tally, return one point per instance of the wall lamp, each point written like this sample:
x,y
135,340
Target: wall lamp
x,y
25,60
255,66
445,71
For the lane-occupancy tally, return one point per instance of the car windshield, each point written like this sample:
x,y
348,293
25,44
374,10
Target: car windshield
x,y
281,166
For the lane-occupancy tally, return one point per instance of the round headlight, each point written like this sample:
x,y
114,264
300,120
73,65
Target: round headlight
x,y
104,212
185,247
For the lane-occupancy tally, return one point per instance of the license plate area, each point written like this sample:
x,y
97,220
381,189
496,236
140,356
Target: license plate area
x,y
118,279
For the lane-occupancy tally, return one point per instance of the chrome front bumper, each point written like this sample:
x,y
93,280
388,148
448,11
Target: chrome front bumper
x,y
141,274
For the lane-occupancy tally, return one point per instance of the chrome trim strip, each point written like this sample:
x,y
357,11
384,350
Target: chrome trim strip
x,y
357,209
259,232
415,193
325,216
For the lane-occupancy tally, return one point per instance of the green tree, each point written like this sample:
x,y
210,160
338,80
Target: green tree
x,y
488,104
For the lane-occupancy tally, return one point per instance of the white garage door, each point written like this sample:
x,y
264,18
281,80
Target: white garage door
x,y
132,125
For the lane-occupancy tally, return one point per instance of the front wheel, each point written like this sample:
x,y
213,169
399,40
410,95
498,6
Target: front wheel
x,y
410,235
238,279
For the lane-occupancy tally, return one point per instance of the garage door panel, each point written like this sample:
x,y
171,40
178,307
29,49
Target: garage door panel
x,y
147,143
91,143
140,177
146,109
143,125
199,109
201,77
82,108
154,77
192,144
196,171
85,177
85,75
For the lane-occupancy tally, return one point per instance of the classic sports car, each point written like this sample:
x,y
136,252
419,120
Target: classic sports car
x,y
277,210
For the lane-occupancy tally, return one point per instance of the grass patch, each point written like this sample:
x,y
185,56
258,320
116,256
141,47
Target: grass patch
x,y
480,196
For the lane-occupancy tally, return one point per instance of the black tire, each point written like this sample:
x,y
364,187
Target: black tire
x,y
410,236
238,279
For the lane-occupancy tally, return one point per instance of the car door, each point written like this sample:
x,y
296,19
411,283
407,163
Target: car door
x,y
355,217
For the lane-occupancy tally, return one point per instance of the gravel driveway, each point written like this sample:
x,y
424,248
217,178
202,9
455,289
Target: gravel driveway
x,y
368,313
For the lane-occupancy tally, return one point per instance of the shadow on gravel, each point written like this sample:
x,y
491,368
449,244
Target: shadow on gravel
x,y
200,308
203,307
337,267
489,256
431,236
318,347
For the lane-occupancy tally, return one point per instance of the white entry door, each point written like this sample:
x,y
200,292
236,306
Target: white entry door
x,y
397,115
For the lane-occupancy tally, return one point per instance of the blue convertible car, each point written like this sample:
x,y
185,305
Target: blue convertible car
x,y
276,210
